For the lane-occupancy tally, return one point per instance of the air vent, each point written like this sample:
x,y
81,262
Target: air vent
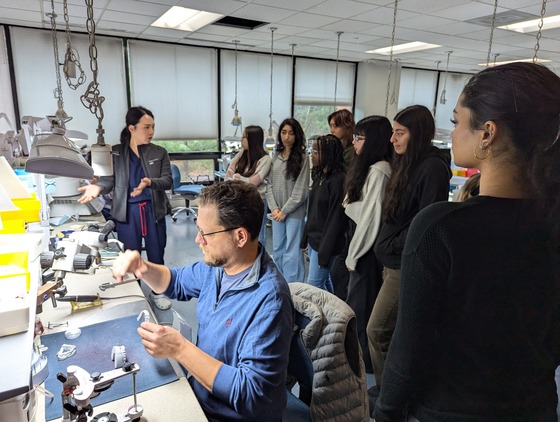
x,y
504,18
240,23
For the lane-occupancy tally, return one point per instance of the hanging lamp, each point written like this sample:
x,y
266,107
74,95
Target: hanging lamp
x,y
270,141
395,9
336,72
236,121
53,153
442,99
101,153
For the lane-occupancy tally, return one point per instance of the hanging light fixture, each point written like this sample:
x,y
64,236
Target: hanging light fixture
x,y
395,9
442,99
336,72
101,153
270,141
52,152
236,121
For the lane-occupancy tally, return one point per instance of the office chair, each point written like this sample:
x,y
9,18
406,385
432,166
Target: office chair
x,y
188,192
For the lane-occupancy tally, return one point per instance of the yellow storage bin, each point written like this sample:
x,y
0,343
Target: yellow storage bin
x,y
12,222
29,208
13,269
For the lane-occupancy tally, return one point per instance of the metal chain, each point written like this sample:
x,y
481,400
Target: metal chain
x,y
272,29
234,105
539,33
394,94
391,58
58,90
71,57
336,72
442,99
492,33
91,98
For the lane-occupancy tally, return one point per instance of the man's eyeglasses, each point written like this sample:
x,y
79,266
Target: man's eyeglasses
x,y
358,138
203,235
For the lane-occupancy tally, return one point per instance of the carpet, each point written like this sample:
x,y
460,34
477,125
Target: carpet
x,y
93,354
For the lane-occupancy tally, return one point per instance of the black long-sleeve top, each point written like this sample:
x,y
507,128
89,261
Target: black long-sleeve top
x,y
478,327
326,220
429,183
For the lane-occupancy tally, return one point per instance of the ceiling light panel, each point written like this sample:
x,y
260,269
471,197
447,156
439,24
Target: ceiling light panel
x,y
186,19
403,48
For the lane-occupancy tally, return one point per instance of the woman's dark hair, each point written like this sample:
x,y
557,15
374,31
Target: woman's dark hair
x,y
342,118
377,147
133,116
239,204
248,161
297,154
330,151
420,123
524,100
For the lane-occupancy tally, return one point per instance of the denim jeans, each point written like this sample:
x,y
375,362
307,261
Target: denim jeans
x,y
318,276
262,233
286,238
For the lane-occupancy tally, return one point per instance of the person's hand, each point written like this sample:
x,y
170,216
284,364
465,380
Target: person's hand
x,y
129,262
144,183
90,192
160,341
280,216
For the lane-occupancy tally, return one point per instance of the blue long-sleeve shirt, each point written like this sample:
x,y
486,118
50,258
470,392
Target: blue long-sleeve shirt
x,y
248,329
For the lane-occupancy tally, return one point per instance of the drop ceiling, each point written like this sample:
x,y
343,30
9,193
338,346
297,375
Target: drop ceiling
x,y
460,26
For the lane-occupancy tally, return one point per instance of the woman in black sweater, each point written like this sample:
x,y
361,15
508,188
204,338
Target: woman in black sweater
x,y
478,329
326,221
420,177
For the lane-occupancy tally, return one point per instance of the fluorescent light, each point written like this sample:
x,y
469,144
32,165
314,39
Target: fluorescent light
x,y
533,25
404,48
491,64
186,19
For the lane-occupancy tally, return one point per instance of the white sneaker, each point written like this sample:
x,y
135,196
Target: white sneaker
x,y
160,301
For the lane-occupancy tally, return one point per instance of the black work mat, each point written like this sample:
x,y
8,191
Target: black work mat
x,y
93,354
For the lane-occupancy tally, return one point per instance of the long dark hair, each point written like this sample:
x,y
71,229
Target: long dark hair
x,y
297,154
330,151
248,161
524,98
133,116
377,147
420,123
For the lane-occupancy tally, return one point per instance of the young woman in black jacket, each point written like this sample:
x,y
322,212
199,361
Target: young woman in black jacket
x,y
420,177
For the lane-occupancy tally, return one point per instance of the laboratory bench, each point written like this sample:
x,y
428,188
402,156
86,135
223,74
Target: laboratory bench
x,y
172,401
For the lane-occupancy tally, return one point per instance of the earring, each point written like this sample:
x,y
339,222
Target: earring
x,y
484,147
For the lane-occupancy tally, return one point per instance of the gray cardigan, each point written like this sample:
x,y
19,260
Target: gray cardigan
x,y
289,195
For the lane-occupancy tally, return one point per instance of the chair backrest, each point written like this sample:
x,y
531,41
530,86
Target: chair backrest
x,y
176,175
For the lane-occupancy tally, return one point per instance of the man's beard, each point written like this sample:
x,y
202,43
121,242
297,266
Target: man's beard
x,y
213,261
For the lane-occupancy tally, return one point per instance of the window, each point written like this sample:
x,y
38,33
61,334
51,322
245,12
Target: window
x,y
179,85
314,92
253,90
417,87
34,66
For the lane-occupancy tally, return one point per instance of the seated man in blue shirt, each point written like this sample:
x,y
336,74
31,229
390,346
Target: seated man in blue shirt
x,y
244,309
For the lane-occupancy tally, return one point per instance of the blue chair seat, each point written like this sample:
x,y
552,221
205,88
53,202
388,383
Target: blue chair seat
x,y
188,192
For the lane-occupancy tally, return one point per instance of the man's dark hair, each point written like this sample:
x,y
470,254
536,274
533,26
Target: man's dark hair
x,y
239,205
